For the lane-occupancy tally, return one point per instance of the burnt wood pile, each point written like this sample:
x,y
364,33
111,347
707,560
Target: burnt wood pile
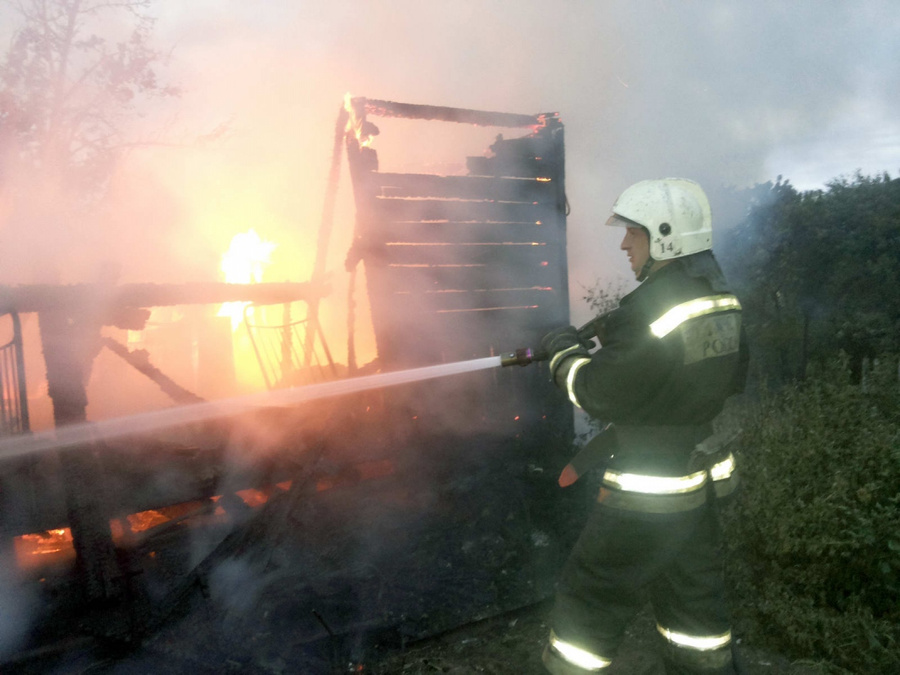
x,y
73,491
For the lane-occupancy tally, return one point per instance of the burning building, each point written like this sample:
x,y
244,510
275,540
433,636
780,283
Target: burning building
x,y
465,266
380,515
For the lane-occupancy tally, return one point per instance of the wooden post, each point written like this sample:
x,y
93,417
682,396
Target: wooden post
x,y
69,346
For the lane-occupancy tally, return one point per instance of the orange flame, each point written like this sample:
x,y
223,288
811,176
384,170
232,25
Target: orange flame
x,y
39,549
244,263
355,123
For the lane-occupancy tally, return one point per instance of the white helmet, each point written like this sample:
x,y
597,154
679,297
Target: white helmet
x,y
674,211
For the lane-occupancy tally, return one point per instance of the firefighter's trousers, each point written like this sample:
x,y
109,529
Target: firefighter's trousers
x,y
623,558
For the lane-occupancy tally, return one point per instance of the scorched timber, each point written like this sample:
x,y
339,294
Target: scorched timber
x,y
447,114
45,297
464,187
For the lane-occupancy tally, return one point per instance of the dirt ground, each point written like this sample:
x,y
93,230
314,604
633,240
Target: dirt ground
x,y
205,641
511,644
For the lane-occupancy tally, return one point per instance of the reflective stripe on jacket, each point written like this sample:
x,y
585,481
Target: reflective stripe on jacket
x,y
671,353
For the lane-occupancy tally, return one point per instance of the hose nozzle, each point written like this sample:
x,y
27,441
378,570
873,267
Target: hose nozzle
x,y
522,357
525,355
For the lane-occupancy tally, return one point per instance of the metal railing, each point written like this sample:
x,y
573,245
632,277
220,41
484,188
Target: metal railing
x,y
14,399
290,351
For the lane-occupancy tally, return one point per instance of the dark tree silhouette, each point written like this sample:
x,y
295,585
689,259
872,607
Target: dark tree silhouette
x,y
67,92
817,272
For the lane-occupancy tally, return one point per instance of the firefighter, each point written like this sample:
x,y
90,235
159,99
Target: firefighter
x,y
671,353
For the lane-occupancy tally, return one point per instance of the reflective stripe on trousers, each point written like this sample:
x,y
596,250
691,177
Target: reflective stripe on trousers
x,y
700,643
666,494
575,655
687,653
623,558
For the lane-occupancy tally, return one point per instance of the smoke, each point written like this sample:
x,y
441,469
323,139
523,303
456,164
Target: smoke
x,y
726,93
731,94
720,94
19,609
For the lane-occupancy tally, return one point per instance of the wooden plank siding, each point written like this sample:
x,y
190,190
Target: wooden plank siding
x,y
475,256
458,210
482,299
466,232
461,277
526,254
507,189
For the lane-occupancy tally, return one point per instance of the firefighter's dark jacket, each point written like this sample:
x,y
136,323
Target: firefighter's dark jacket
x,y
661,393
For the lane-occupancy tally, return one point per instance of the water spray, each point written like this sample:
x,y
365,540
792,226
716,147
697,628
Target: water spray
x,y
81,434
90,432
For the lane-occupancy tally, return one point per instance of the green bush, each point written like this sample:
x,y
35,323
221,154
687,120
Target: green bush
x,y
814,535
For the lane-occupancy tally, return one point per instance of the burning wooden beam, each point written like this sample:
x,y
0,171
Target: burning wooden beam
x,y
139,359
71,298
439,113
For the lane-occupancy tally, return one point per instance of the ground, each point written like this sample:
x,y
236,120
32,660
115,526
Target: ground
x,y
269,640
511,644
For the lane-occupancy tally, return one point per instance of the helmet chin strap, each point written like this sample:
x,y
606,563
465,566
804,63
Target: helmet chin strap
x,y
645,270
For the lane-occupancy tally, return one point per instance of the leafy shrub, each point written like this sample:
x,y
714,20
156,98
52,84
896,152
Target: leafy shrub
x,y
814,535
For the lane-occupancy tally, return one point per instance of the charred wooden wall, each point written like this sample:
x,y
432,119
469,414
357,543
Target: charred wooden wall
x,y
463,267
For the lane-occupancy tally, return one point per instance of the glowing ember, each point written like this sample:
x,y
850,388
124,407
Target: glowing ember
x,y
36,550
252,497
145,520
244,263
55,547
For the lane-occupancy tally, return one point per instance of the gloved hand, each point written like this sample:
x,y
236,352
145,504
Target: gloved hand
x,y
561,344
558,339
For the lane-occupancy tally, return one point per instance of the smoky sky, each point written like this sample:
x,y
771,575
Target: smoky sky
x,y
726,93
